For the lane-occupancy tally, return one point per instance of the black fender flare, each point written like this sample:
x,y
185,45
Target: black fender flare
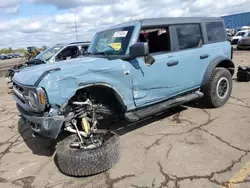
x,y
116,93
218,62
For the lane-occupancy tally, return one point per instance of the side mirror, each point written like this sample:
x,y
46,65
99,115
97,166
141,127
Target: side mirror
x,y
139,49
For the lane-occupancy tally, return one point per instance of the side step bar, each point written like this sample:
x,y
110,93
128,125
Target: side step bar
x,y
157,108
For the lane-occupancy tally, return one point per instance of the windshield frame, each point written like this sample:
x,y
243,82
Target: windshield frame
x,y
39,56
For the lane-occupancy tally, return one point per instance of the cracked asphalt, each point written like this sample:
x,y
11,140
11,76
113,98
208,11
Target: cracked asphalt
x,y
186,147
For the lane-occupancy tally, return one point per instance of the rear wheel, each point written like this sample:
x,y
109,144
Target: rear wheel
x,y
219,88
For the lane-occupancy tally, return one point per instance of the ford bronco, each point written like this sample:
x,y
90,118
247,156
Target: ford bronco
x,y
132,70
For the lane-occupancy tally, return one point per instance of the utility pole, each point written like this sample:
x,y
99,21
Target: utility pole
x,y
76,31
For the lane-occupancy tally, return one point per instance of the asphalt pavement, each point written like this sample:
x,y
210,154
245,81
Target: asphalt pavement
x,y
187,147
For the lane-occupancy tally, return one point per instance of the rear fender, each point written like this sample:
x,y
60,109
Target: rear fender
x,y
218,62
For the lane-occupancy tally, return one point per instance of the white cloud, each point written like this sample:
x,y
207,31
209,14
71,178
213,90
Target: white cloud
x,y
9,6
65,4
9,3
93,15
10,10
32,27
67,18
4,27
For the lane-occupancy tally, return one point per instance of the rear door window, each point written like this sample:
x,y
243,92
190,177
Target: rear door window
x,y
215,31
158,39
189,36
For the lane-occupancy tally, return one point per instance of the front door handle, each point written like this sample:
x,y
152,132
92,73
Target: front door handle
x,y
204,56
173,63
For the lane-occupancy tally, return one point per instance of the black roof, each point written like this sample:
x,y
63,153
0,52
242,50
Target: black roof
x,y
151,22
175,20
85,42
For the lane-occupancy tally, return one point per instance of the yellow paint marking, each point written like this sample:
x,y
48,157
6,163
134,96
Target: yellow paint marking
x,y
240,176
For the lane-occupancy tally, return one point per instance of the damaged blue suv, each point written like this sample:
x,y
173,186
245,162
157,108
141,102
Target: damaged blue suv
x,y
132,70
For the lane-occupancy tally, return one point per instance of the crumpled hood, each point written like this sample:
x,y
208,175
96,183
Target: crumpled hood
x,y
236,37
29,75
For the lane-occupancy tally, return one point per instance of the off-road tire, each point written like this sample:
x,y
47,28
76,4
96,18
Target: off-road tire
x,y
80,162
211,97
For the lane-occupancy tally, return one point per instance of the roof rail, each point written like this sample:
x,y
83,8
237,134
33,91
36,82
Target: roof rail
x,y
80,42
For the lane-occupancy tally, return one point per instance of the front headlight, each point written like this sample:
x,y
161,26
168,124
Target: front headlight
x,y
37,99
33,99
42,98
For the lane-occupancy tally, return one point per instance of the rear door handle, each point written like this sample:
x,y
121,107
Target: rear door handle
x,y
204,56
173,63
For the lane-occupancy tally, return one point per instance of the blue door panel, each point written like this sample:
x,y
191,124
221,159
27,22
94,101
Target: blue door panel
x,y
156,82
161,81
192,66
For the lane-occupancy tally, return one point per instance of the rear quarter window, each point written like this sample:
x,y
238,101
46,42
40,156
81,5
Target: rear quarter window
x,y
215,32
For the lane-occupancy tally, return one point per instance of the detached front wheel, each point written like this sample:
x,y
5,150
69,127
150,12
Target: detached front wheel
x,y
219,88
75,161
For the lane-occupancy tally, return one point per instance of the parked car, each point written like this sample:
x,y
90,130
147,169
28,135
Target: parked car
x,y
63,52
238,36
244,42
3,57
245,27
53,54
133,70
16,55
9,56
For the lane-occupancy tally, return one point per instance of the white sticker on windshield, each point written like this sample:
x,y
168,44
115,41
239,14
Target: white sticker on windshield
x,y
120,34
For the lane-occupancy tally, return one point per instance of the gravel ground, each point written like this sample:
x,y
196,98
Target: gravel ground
x,y
188,147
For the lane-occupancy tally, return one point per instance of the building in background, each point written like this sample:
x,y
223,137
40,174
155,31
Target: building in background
x,y
237,20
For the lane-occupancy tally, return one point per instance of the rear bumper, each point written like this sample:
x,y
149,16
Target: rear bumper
x,y
48,127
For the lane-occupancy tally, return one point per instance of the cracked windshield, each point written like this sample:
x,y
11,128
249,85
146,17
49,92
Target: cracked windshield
x,y
112,42
124,94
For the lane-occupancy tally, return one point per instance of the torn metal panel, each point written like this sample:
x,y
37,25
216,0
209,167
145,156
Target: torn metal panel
x,y
61,85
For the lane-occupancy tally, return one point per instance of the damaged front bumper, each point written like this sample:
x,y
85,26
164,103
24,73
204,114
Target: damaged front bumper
x,y
10,74
48,127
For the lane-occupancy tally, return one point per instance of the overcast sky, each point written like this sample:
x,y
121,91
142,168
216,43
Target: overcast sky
x,y
46,22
